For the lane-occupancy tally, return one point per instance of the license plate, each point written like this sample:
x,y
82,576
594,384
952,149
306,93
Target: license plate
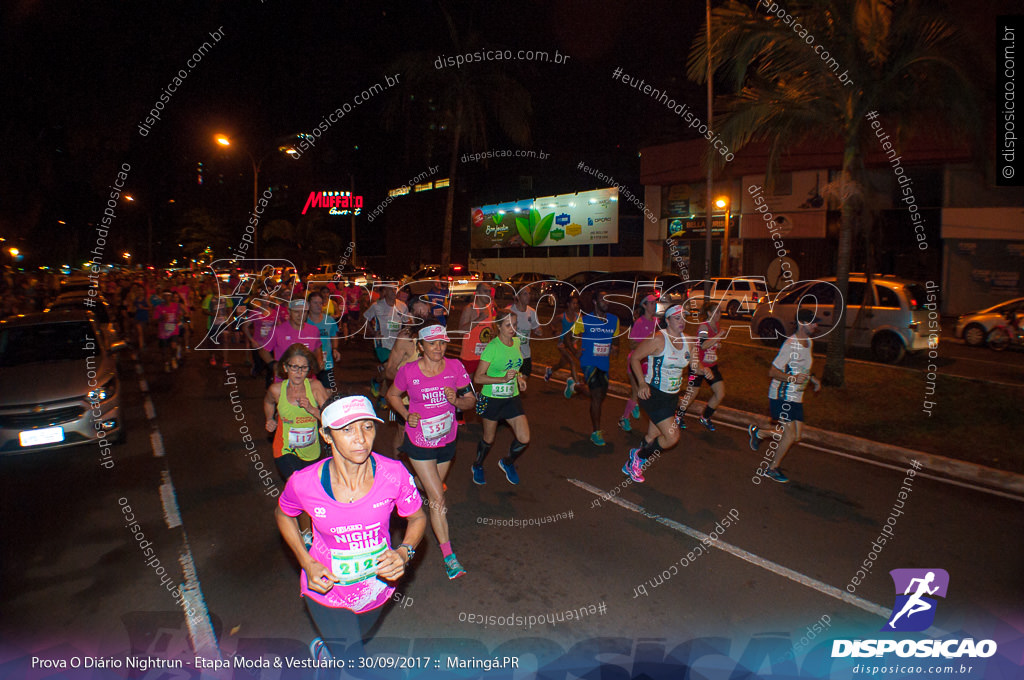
x,y
47,435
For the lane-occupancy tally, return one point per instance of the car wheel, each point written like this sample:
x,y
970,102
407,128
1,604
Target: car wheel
x,y
974,335
733,309
998,339
888,348
771,333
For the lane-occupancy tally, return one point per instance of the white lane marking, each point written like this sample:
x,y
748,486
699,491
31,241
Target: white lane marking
x,y
200,629
148,406
756,560
172,515
157,442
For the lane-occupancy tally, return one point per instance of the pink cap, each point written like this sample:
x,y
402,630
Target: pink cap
x,y
348,410
674,310
434,331
650,298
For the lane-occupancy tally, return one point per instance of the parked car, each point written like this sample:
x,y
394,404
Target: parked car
x,y
106,315
76,283
536,281
973,328
460,278
61,386
891,321
575,283
739,295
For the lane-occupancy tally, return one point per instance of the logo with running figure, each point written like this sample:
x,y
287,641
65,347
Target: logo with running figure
x,y
914,608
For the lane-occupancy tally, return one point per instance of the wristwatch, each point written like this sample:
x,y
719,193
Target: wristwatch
x,y
410,551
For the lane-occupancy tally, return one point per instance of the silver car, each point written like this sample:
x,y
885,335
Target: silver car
x,y
975,327
61,386
890,320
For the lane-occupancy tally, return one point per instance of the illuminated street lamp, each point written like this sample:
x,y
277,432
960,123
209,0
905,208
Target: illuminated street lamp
x,y
722,203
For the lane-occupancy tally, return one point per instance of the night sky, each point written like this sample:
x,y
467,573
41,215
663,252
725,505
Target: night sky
x,y
80,78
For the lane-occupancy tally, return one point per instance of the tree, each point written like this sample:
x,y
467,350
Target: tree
x,y
460,101
901,58
199,230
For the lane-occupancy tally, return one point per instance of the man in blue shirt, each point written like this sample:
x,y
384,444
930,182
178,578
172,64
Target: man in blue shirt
x,y
328,328
597,333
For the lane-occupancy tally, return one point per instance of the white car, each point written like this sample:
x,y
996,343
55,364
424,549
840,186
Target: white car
x,y
973,328
891,321
738,295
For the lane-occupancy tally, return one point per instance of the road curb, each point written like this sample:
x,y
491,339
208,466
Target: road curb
x,y
981,475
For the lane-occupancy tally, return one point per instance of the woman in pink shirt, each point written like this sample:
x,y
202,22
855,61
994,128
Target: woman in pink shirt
x,y
348,574
644,328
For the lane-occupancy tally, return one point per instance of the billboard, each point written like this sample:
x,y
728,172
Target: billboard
x,y
564,220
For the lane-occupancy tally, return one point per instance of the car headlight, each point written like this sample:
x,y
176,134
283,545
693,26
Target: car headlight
x,y
103,392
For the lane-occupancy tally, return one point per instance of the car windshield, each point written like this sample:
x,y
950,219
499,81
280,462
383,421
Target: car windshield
x,y
46,342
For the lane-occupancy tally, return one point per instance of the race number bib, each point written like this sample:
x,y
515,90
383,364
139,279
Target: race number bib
x,y
437,426
394,326
524,341
170,326
299,437
602,349
502,390
479,349
265,331
353,566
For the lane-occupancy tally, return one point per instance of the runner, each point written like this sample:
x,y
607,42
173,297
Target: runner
x,y
138,307
790,373
597,334
296,401
217,322
348,575
568,346
385,317
710,338
436,387
644,328
526,325
328,334
667,355
476,322
168,328
437,298
287,333
406,350
350,319
498,373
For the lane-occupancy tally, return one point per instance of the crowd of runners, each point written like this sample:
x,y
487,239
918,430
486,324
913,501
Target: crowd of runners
x,y
343,481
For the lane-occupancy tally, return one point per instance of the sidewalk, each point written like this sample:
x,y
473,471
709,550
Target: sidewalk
x,y
941,466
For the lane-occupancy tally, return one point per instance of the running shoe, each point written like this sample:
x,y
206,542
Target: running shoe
x,y
547,374
633,466
225,364
681,420
452,566
179,352
625,425
307,538
318,650
776,474
174,364
597,438
375,387
570,386
755,441
509,469
382,403
707,423
636,412
213,362
478,474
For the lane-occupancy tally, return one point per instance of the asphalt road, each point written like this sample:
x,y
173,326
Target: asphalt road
x,y
74,577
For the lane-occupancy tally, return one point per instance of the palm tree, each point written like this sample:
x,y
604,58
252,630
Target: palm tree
x,y
903,59
461,101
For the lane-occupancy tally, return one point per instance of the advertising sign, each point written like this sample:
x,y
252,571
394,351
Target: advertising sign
x,y
564,220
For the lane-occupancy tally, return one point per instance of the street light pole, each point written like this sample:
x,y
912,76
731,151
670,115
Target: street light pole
x,y
708,199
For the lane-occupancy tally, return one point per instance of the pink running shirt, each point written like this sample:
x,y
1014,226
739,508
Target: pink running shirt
x,y
437,426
